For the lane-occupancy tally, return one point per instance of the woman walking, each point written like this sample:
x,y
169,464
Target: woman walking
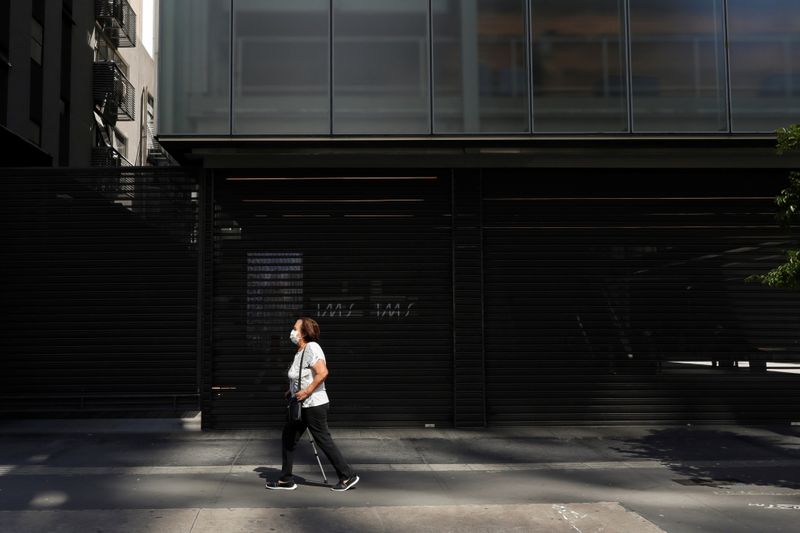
x,y
309,365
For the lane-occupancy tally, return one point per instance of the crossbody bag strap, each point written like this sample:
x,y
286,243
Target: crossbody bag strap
x,y
300,371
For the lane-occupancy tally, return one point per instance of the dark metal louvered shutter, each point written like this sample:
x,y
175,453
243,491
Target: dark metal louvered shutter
x,y
617,297
99,292
368,257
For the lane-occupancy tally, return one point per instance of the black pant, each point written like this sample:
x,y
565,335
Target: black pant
x,y
316,420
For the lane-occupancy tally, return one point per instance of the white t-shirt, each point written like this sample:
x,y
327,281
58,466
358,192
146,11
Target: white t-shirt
x,y
313,354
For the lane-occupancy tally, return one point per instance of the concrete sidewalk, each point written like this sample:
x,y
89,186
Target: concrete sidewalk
x,y
142,476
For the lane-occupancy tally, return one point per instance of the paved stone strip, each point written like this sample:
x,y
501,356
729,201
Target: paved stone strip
x,y
42,470
546,518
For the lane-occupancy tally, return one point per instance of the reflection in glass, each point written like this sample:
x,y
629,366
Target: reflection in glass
x,y
194,67
764,40
380,66
678,66
479,61
578,66
281,69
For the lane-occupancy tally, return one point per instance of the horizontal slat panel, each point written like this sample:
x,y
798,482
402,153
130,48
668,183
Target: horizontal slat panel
x,y
623,300
379,287
99,292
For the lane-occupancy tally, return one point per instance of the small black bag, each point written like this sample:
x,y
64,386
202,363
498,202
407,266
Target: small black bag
x,y
295,407
295,410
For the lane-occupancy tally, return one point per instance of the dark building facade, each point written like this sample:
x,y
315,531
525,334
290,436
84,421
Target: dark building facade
x,y
76,85
501,212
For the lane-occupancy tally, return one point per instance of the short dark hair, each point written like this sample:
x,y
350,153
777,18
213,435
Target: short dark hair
x,y
309,329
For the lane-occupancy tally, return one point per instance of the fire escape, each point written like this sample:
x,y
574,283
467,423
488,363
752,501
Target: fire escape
x,y
114,95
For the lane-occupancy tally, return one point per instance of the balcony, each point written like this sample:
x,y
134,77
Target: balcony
x,y
118,21
113,93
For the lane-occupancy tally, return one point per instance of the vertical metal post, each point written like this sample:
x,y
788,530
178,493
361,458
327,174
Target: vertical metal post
x,y
453,310
727,48
470,82
430,66
232,40
628,61
529,60
205,287
469,361
330,67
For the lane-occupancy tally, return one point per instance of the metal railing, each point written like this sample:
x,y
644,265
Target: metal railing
x,y
113,93
156,155
118,21
106,156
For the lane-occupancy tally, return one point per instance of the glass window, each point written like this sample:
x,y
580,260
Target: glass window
x,y
194,67
380,67
579,66
282,67
480,75
764,40
678,66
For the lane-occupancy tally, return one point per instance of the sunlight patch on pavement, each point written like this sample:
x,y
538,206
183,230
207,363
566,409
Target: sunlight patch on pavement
x,y
49,499
562,518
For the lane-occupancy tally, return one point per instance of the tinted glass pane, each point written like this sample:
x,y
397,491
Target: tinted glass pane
x,y
282,59
578,66
765,63
678,65
380,66
479,65
194,67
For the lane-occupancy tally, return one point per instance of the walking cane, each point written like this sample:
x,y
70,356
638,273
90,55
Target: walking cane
x,y
314,447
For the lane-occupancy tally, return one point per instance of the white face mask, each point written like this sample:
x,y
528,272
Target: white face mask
x,y
294,337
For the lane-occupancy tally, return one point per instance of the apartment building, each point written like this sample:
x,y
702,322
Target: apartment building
x,y
78,86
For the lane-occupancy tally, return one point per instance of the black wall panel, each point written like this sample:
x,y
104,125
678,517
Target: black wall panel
x,y
468,356
369,257
619,297
608,297
99,292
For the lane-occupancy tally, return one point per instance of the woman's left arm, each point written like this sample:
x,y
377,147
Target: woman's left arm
x,y
320,374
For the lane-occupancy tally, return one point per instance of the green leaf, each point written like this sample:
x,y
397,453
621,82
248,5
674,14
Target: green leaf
x,y
788,139
786,276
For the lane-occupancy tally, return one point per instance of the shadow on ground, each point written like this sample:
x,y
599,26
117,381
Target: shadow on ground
x,y
720,458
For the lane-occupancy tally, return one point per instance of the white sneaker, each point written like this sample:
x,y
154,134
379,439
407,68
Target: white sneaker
x,y
347,484
280,485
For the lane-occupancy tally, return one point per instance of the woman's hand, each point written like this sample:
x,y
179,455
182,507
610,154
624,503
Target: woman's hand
x,y
301,395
